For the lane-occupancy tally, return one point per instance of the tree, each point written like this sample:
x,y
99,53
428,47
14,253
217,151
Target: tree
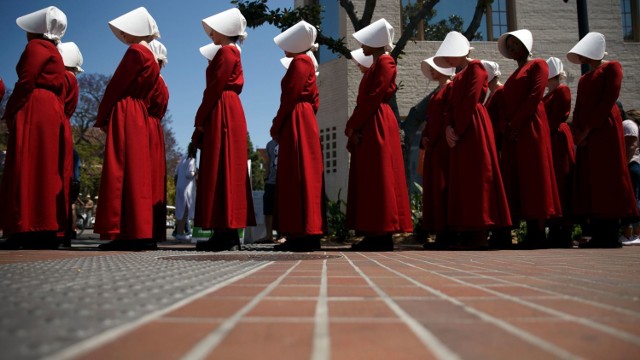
x,y
258,169
173,154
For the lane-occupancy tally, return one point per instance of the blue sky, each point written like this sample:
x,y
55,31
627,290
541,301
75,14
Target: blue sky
x,y
182,33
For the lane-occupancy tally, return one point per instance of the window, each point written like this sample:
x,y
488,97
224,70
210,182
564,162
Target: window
x,y
330,27
498,17
328,142
630,20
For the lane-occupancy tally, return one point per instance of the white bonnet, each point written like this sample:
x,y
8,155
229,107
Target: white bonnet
x,y
137,22
299,38
493,69
51,22
228,23
377,34
71,55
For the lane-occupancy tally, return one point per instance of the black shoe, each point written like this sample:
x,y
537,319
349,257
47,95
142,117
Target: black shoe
x,y
374,243
299,244
600,244
220,241
12,243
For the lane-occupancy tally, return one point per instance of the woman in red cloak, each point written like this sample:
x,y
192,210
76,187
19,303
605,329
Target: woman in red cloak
x,y
378,201
158,102
32,191
299,204
603,194
223,198
476,197
125,213
436,154
72,58
557,104
527,162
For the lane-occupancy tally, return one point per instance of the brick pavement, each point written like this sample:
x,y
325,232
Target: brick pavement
x,y
399,305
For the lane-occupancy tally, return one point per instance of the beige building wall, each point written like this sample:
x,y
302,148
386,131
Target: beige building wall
x,y
555,30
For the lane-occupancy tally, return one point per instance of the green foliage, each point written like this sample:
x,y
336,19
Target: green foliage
x,y
337,218
439,30
258,168
416,207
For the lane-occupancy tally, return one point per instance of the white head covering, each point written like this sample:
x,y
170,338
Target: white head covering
x,y
136,22
159,50
630,128
523,35
71,55
298,38
454,45
377,34
51,22
286,61
428,64
493,69
360,58
209,50
591,46
555,67
228,23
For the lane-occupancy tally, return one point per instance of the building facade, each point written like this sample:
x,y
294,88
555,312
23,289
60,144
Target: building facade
x,y
554,26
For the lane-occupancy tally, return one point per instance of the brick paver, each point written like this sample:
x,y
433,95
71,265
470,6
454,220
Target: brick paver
x,y
398,305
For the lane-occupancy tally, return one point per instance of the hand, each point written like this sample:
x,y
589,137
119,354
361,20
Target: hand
x,y
451,136
580,137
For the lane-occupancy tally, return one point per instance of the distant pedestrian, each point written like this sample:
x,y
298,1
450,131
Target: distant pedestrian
x,y
34,207
125,214
185,177
300,211
268,200
223,201
631,231
603,191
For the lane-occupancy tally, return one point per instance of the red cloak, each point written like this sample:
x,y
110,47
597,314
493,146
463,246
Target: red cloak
x,y
124,203
436,163
527,161
300,179
2,90
378,201
495,108
71,94
557,104
602,184
477,199
223,198
158,101
32,194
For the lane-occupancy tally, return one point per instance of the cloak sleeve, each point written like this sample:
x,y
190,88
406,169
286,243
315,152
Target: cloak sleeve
x,y
127,71
218,73
368,104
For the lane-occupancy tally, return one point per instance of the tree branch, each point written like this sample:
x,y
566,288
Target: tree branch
x,y
369,7
427,6
481,7
347,5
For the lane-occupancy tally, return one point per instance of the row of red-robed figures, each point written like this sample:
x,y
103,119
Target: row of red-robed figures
x,y
553,177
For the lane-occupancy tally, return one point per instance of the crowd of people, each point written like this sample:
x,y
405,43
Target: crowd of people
x,y
490,161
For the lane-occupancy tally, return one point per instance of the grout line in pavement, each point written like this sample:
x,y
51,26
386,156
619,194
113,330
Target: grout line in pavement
x,y
562,315
517,332
208,344
94,342
550,292
431,342
321,339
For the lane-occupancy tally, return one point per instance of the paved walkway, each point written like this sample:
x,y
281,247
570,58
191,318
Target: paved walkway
x,y
409,304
